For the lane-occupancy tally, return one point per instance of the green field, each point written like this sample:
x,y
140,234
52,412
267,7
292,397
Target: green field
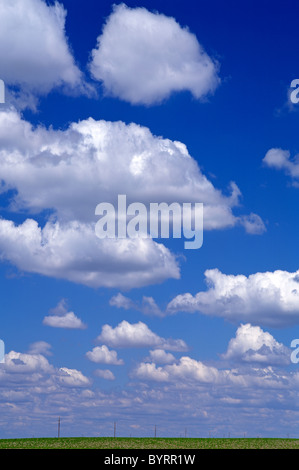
x,y
148,443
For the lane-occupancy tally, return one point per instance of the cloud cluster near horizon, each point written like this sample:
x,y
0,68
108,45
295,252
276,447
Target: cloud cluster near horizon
x,y
248,372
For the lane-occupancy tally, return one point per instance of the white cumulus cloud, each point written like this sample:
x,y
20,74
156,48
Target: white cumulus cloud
x,y
142,57
35,55
68,173
187,369
252,344
61,318
72,378
25,363
73,252
104,374
267,298
69,320
147,306
159,356
103,355
137,335
281,160
40,347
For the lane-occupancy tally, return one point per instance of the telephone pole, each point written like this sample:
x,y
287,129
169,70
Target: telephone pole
x,y
58,427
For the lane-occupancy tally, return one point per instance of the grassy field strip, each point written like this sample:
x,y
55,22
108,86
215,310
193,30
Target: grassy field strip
x,y
148,443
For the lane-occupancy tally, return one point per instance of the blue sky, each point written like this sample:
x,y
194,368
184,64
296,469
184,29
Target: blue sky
x,y
161,101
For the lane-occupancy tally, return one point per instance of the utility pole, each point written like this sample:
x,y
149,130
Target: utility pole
x,y
58,427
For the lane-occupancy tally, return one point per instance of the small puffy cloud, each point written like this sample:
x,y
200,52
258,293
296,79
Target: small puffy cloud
x,y
60,309
253,224
187,369
252,344
149,371
281,160
137,335
104,374
68,320
159,356
72,378
143,57
269,298
121,301
61,318
40,347
191,369
21,363
148,305
35,55
103,355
